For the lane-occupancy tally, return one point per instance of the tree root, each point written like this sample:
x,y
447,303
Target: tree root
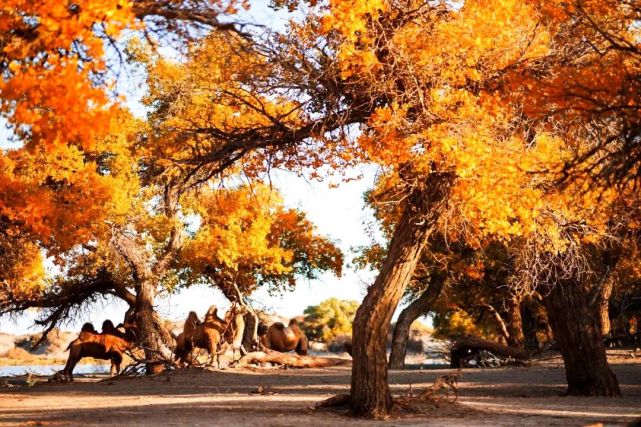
x,y
443,390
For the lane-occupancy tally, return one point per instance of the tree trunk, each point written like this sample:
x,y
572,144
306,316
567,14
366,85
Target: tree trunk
x,y
603,304
419,307
576,330
250,335
370,393
514,322
529,322
151,334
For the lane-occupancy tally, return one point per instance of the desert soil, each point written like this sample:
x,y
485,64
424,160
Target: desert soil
x,y
529,396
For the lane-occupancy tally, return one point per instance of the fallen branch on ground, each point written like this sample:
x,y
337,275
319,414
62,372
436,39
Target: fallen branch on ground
x,y
290,360
467,347
138,366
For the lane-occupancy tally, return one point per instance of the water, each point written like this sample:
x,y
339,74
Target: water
x,y
48,370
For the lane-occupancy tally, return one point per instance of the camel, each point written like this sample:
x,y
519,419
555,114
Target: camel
x,y
206,335
89,343
280,338
234,330
213,334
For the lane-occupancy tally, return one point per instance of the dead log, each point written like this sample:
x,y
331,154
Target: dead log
x,y
291,360
467,347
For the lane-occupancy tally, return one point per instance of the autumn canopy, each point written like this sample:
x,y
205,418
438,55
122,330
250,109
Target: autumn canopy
x,y
505,135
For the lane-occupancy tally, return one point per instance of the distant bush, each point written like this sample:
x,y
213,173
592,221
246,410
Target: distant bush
x,y
453,324
17,353
329,319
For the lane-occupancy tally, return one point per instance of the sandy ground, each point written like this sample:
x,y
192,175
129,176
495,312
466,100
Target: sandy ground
x,y
529,396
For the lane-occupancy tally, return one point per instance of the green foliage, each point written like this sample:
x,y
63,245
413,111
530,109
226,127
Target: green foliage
x,y
456,323
329,319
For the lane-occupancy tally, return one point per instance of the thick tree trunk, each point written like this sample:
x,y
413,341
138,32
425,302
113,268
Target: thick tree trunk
x,y
152,335
370,393
576,330
419,307
514,322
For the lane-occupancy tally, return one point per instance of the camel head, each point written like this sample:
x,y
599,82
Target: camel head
x,y
212,313
190,323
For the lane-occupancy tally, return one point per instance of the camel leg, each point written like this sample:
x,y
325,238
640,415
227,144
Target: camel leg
x,y
116,360
67,372
74,358
301,347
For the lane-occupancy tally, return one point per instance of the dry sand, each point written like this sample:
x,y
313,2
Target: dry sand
x,y
530,396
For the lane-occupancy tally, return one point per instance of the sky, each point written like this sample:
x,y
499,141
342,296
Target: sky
x,y
338,212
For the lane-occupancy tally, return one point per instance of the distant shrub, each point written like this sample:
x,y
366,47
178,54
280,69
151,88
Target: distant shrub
x,y
17,353
329,319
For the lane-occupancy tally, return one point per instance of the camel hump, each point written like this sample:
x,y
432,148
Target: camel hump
x,y
293,322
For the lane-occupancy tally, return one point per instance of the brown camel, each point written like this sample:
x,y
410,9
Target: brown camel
x,y
280,338
99,346
213,334
206,335
234,330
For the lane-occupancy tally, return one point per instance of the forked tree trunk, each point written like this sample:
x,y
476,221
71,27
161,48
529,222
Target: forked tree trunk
x,y
576,330
370,393
514,322
419,307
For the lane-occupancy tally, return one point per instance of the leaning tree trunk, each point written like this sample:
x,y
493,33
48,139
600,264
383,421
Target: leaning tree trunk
x,y
514,322
419,307
370,393
576,330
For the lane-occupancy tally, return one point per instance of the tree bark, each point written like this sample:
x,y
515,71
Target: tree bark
x,y
417,308
603,304
501,327
250,334
370,393
153,336
529,322
576,330
514,322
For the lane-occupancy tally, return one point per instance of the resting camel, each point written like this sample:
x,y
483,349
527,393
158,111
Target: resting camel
x,y
89,343
280,338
